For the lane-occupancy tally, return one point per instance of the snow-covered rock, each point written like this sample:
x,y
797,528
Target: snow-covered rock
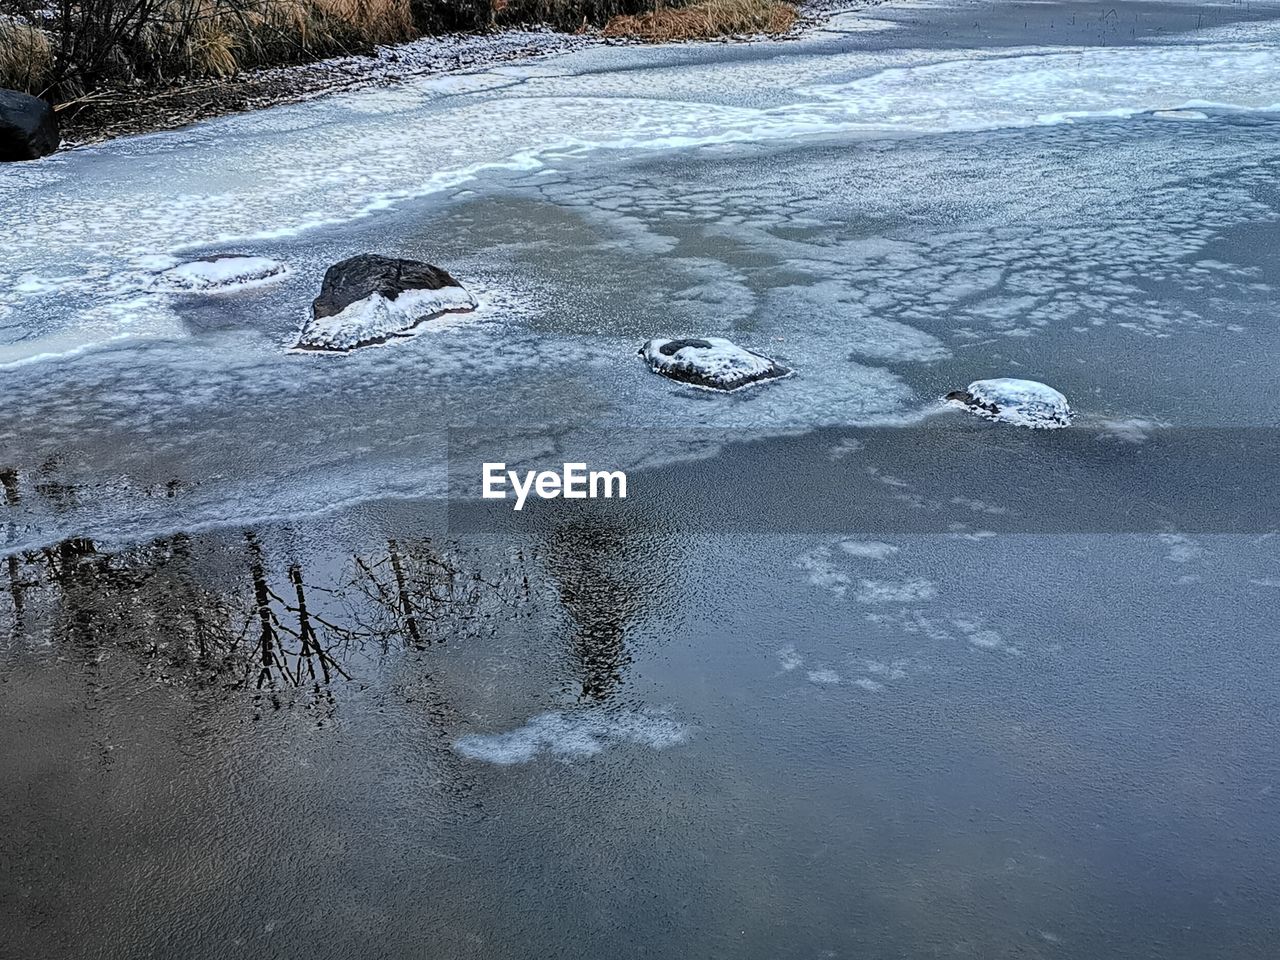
x,y
369,299
220,273
712,363
1026,403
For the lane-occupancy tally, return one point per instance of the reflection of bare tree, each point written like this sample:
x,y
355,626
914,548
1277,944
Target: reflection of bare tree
x,y
9,480
228,611
425,594
209,611
277,661
604,579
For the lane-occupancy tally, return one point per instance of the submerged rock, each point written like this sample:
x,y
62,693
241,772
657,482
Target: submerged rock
x,y
1026,403
369,299
713,363
28,127
218,273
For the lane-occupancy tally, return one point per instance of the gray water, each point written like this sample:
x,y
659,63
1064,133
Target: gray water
x,y
263,695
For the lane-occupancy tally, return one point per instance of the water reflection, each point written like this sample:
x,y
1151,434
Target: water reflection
x,y
605,577
238,613
272,610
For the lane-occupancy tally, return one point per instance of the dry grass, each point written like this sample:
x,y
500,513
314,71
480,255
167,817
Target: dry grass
x,y
172,39
705,20
218,38
375,21
26,58
92,48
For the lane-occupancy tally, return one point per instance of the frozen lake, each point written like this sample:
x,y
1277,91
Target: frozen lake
x,y
883,682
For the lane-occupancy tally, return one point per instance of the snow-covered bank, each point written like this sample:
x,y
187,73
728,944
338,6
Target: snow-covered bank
x,y
445,56
280,173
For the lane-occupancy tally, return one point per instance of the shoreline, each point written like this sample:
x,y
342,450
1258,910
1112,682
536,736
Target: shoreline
x,y
170,108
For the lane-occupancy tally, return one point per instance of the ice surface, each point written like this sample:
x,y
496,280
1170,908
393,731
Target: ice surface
x,y
572,736
899,263
281,172
377,318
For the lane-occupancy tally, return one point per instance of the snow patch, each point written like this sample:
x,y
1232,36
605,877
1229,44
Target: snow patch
x,y
1181,549
844,449
889,591
868,549
1179,115
220,274
572,736
1131,430
822,572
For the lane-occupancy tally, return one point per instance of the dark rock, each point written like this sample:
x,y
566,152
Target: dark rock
x,y
28,127
364,275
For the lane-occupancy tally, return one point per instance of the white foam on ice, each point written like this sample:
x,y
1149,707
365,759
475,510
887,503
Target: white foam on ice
x,y
854,22
892,670
869,333
1179,115
572,736
788,659
868,549
979,635
991,90
822,572
1181,548
980,506
896,591
221,274
844,448
1133,430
